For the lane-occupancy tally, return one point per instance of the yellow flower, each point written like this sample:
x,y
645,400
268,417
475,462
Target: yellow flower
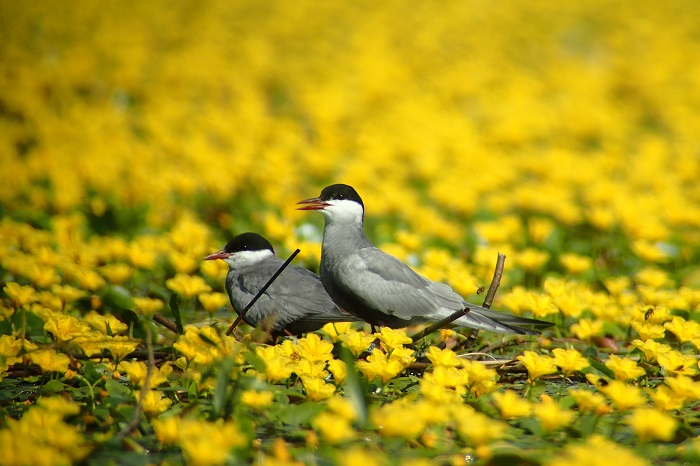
x,y
537,365
647,330
167,429
334,429
541,304
531,259
338,369
102,322
209,443
357,455
257,399
624,396
41,436
10,346
119,346
596,450
392,339
154,403
343,407
116,273
684,387
67,294
624,368
308,369
511,405
676,363
212,302
397,419
184,263
479,429
651,424
574,263
65,327
684,330
442,357
336,329
651,348
148,306
317,389
451,377
20,295
585,329
587,400
539,229
49,360
649,251
379,365
569,360
314,349
136,371
277,368
617,285
187,285
357,341
88,279
665,399
550,415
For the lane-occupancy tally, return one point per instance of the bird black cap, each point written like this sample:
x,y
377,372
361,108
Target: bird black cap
x,y
248,242
341,192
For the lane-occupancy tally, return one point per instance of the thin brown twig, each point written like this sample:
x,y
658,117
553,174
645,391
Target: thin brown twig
x,y
440,324
136,418
490,296
495,281
162,320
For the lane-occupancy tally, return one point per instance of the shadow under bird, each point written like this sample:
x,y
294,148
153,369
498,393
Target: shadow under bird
x,y
382,290
295,302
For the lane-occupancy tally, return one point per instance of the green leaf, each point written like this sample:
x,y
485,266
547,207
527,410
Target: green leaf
x,y
355,386
117,390
258,363
117,297
222,389
53,387
175,309
300,414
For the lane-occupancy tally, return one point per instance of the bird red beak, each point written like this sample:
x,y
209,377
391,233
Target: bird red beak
x,y
217,255
313,203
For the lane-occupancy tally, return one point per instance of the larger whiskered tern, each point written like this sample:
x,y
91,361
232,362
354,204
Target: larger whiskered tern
x,y
295,301
379,288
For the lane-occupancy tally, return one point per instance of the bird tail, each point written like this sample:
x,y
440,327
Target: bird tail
x,y
498,322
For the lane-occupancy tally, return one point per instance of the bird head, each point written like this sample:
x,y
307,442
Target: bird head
x,y
337,202
244,249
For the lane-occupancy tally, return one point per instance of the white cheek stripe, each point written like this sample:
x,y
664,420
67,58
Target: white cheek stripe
x,y
245,258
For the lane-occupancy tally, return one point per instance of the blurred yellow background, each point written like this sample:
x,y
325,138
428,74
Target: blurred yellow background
x,y
585,112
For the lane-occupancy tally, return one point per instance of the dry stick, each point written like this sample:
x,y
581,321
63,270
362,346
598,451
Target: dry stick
x,y
262,290
442,323
144,388
490,295
488,300
162,320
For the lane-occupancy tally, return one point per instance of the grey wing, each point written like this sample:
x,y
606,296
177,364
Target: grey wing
x,y
389,285
296,295
392,287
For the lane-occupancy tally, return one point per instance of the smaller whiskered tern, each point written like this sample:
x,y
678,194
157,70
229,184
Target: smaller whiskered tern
x,y
379,288
295,301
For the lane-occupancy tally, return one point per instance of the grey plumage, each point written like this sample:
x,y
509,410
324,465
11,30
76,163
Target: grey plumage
x,y
296,301
379,288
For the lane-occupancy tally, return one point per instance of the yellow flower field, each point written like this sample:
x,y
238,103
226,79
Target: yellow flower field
x,y
138,137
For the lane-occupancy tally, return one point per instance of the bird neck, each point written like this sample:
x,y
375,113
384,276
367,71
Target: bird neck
x,y
344,237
